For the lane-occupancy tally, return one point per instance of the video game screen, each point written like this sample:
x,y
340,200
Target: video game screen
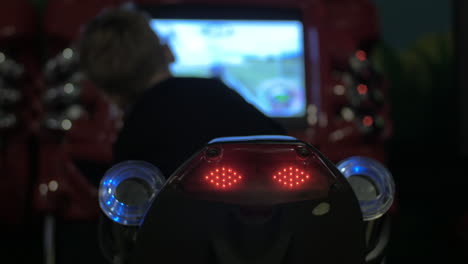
x,y
263,60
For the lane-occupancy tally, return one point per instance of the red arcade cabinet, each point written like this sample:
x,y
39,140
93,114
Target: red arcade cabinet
x,y
78,123
320,83
18,108
308,65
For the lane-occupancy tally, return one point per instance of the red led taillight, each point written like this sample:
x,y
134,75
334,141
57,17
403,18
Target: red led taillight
x,y
257,173
291,177
223,177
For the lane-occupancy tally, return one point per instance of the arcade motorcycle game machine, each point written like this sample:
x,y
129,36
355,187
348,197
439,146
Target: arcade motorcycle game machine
x,y
19,111
345,111
56,136
79,126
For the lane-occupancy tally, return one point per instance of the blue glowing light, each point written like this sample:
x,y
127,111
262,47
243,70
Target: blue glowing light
x,y
358,169
118,211
376,177
252,138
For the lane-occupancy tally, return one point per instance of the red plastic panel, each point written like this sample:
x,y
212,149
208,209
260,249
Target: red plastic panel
x,y
64,18
15,179
17,18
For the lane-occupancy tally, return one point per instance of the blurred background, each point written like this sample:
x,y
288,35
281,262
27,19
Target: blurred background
x,y
385,79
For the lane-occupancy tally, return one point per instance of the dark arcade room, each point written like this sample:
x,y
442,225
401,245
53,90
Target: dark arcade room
x,y
233,131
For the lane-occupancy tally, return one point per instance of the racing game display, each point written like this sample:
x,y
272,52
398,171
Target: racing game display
x,y
262,60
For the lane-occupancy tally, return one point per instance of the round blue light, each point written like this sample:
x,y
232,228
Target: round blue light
x,y
372,183
128,211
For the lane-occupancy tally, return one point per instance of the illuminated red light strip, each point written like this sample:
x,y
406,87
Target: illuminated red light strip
x,y
291,177
223,177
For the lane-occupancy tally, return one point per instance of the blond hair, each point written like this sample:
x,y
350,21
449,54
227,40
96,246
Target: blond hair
x,y
120,52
